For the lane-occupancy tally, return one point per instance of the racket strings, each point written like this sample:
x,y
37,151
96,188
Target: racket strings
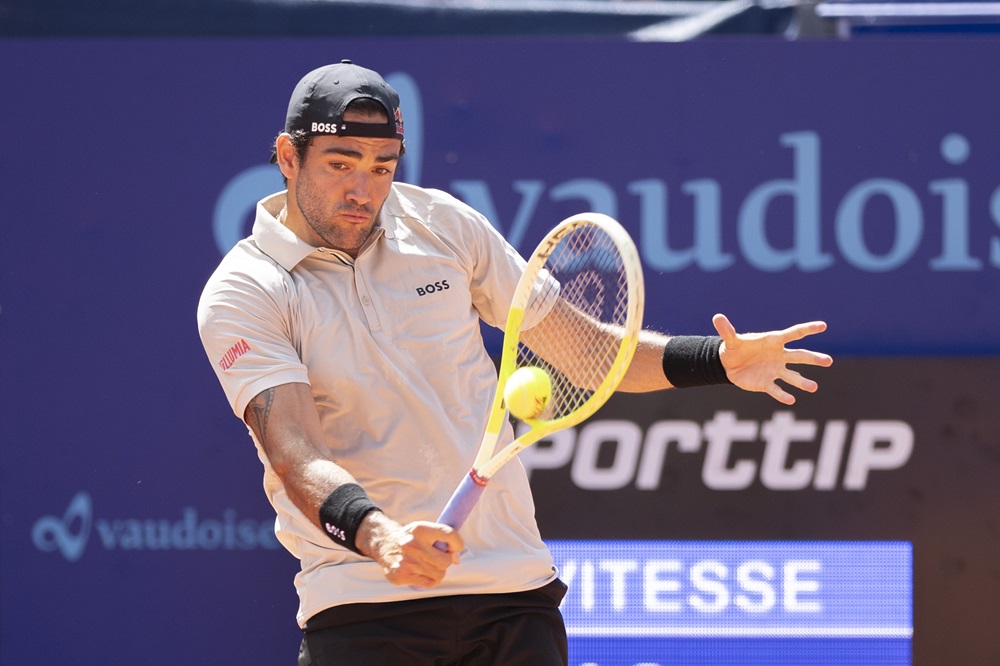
x,y
588,275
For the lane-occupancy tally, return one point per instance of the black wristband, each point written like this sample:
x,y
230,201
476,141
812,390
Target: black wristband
x,y
693,360
342,512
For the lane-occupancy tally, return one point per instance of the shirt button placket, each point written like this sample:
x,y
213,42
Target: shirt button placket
x,y
361,283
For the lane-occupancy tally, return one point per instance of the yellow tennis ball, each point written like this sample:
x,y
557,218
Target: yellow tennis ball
x,y
527,392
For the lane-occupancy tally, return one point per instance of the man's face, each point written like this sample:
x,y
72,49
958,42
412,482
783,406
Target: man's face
x,y
337,190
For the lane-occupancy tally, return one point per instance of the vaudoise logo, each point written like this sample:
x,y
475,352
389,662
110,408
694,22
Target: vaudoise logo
x,y
79,528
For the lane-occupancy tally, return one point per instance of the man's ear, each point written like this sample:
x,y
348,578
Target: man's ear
x,y
287,155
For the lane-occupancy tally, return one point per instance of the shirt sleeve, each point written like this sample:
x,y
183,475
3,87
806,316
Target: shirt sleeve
x,y
247,330
496,273
495,268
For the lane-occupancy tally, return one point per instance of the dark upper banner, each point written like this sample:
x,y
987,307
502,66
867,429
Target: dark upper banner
x,y
888,449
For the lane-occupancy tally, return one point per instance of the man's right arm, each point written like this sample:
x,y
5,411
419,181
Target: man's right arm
x,y
285,422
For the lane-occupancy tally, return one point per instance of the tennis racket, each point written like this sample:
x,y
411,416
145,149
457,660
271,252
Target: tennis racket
x,y
576,314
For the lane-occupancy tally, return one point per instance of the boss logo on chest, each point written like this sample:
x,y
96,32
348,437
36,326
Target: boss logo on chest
x,y
434,287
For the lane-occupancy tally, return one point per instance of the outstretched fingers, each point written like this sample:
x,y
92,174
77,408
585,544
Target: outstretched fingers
x,y
807,357
796,380
779,394
793,379
799,331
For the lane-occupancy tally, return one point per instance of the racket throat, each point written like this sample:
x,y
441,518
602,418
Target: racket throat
x,y
478,479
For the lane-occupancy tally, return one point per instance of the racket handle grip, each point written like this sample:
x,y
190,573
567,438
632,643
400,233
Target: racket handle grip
x,y
459,507
461,503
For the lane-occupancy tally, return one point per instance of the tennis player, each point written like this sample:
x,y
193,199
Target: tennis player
x,y
345,333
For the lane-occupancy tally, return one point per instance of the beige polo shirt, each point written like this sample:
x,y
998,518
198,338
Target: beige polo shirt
x,y
390,345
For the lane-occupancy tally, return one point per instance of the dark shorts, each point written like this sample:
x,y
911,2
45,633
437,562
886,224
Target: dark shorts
x,y
520,628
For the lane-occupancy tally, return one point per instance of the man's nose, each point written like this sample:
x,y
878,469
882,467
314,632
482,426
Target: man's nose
x,y
359,189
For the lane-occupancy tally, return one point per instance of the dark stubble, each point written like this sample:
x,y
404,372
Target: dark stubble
x,y
322,220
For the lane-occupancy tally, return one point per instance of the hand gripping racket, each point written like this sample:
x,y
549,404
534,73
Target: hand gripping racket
x,y
576,314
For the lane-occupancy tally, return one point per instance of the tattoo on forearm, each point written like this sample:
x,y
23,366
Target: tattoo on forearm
x,y
258,411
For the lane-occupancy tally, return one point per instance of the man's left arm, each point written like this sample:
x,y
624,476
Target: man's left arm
x,y
752,361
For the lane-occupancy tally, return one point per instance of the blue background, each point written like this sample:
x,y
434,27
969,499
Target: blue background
x,y
117,153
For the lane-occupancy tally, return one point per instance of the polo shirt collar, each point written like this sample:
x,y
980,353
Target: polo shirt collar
x,y
398,206
275,239
284,246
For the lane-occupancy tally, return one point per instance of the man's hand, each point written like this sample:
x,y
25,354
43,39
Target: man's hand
x,y
406,553
755,361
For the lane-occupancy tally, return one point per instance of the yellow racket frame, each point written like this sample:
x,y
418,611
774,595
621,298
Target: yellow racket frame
x,y
487,464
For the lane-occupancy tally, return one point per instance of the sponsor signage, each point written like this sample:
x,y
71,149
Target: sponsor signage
x,y
868,433
70,533
888,449
608,454
865,190
633,602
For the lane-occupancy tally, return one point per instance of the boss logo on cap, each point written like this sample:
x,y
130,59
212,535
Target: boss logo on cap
x,y
327,128
399,122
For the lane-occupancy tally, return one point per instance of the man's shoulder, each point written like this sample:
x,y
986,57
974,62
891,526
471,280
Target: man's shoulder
x,y
423,202
246,268
247,256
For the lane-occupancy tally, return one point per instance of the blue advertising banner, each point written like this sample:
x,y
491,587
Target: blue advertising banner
x,y
825,180
649,602
775,182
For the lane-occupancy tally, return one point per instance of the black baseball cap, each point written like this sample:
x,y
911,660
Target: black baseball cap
x,y
320,98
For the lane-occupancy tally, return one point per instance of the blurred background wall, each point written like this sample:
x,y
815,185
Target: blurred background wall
x,y
776,161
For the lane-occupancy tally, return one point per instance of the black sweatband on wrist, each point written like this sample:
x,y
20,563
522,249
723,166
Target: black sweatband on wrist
x,y
693,360
341,514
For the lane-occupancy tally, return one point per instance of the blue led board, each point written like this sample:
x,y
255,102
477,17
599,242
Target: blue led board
x,y
647,603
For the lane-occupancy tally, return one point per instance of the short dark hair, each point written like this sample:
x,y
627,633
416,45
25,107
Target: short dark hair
x,y
301,139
